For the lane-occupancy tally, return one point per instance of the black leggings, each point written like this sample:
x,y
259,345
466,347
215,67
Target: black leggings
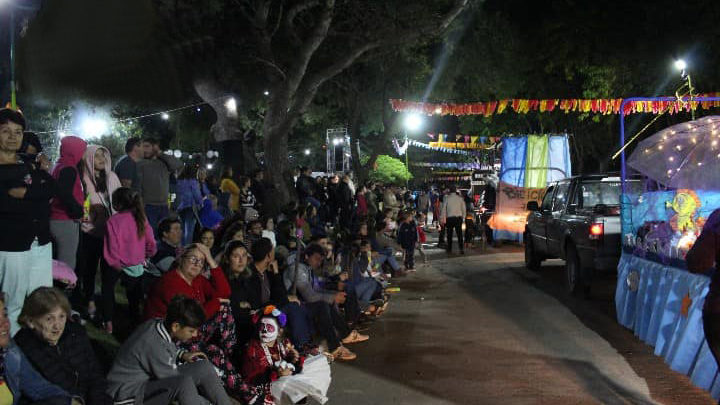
x,y
89,255
133,288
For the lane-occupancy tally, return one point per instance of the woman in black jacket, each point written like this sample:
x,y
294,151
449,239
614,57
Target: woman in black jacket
x,y
60,349
25,193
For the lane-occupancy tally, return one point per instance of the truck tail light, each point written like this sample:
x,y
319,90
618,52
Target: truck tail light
x,y
596,231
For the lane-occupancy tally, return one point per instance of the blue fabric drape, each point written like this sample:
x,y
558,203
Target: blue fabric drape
x,y
559,166
654,313
514,151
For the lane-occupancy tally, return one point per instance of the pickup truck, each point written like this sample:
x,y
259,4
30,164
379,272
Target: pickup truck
x,y
578,220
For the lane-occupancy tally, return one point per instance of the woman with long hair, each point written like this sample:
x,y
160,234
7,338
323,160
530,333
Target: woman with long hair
x,y
189,201
129,241
99,183
228,185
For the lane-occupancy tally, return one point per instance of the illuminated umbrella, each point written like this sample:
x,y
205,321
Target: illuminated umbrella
x,y
685,155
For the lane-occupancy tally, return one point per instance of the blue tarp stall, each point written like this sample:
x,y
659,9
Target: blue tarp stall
x,y
655,295
528,162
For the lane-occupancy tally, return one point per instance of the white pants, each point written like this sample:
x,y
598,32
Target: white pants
x,y
20,274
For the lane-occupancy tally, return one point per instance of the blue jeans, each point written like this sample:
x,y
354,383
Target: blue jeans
x,y
188,222
365,289
300,322
155,213
387,255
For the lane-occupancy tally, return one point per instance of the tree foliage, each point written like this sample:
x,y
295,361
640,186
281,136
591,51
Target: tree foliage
x,y
390,170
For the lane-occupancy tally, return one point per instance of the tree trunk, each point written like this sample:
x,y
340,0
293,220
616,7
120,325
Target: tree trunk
x,y
226,130
277,125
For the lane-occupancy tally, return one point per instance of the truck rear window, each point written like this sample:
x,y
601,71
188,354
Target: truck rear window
x,y
594,193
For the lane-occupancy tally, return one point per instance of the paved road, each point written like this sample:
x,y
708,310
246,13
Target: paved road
x,y
480,329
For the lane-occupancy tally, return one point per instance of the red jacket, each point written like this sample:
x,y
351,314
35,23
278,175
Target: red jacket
x,y
255,366
206,292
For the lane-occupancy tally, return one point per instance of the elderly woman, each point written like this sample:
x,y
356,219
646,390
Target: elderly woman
x,y
18,379
59,349
217,335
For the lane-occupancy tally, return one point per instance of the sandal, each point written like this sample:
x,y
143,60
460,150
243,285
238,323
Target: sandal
x,y
355,337
344,354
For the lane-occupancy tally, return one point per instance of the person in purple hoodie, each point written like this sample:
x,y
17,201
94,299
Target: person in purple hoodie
x,y
66,208
189,201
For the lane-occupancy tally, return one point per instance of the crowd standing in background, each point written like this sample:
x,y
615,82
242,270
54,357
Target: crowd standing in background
x,y
226,298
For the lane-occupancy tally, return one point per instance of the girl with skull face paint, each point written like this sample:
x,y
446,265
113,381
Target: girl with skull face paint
x,y
278,372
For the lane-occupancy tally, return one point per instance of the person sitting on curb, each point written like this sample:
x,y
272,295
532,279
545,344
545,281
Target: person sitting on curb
x,y
18,378
169,246
322,304
59,348
150,369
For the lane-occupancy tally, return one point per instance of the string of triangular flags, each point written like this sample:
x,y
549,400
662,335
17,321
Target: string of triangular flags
x,y
473,141
451,165
453,178
400,149
522,106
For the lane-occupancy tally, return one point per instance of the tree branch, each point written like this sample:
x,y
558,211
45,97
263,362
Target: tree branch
x,y
289,21
270,64
311,44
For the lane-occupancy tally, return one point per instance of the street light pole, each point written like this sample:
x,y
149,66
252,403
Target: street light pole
x,y
13,98
407,159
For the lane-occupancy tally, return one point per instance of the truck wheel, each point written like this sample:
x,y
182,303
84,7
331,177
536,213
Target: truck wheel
x,y
532,260
574,280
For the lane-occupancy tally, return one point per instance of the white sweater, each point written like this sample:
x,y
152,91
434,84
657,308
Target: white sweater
x,y
453,206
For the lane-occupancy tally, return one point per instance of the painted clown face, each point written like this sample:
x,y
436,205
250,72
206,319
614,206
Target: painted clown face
x,y
268,330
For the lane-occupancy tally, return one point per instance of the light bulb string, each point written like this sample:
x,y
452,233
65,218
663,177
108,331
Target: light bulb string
x,y
149,115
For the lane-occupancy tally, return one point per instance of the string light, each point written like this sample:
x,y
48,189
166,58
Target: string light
x,y
130,120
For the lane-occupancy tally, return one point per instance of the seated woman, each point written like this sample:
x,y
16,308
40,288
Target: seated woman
x,y
58,348
217,335
18,379
276,370
234,261
256,285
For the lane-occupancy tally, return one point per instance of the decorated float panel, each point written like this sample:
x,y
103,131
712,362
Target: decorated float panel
x,y
662,217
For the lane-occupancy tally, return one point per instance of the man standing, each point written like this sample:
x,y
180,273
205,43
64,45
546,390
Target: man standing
x,y
258,189
452,215
153,173
126,168
423,202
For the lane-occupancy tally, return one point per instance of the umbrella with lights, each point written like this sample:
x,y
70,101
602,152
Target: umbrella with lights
x,y
685,155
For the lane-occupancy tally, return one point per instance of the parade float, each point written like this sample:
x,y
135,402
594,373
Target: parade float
x,y
656,297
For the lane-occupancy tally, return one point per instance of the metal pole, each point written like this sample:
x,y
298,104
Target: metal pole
x,y
13,100
407,159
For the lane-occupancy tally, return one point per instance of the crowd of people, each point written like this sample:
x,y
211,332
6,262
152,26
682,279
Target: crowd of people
x,y
227,297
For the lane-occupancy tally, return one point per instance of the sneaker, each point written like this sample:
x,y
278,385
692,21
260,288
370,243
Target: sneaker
x,y
355,337
343,353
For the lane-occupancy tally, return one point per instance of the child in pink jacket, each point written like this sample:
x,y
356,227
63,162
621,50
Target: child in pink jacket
x,y
129,240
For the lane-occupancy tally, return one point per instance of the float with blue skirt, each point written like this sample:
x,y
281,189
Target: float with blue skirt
x,y
662,215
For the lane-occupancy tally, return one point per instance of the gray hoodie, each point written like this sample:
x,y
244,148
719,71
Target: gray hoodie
x,y
148,354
